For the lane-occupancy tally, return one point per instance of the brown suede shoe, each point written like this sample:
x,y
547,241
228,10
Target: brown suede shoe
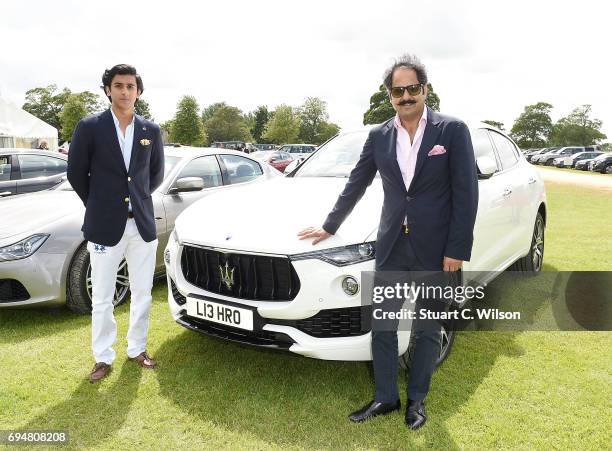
x,y
144,360
100,371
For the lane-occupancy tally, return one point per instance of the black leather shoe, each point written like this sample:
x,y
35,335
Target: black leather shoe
x,y
374,409
415,414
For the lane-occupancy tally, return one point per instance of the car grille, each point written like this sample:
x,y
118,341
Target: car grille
x,y
254,277
178,297
331,323
12,291
262,338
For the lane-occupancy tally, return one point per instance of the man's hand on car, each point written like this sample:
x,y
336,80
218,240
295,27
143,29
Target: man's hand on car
x,y
319,234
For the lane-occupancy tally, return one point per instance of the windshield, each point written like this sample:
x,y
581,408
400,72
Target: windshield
x,y
169,163
336,158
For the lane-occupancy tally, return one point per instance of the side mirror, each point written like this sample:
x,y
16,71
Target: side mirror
x,y
187,184
486,167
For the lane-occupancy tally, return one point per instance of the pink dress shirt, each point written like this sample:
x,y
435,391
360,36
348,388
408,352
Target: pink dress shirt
x,y
406,150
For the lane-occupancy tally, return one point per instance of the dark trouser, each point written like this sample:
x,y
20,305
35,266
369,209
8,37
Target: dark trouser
x,y
427,338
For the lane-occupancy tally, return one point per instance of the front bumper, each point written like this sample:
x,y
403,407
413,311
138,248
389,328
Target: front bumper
x,y
321,322
35,280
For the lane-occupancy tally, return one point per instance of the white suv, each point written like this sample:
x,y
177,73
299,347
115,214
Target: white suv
x,y
237,270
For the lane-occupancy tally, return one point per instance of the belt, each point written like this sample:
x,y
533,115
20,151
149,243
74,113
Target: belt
x,y
130,214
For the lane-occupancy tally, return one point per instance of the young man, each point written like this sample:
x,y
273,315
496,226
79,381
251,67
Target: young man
x,y
116,161
427,165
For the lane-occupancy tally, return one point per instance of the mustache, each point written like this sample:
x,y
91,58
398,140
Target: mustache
x,y
407,102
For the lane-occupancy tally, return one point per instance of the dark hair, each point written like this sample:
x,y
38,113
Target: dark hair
x,y
410,62
120,69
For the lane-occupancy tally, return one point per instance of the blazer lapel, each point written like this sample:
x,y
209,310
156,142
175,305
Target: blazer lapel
x,y
429,139
392,146
139,133
111,133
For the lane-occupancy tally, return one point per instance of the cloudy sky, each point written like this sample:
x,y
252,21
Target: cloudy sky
x,y
486,60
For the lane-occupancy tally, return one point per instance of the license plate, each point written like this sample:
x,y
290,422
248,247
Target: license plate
x,y
220,313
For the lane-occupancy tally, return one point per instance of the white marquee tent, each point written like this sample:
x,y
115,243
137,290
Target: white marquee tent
x,y
18,128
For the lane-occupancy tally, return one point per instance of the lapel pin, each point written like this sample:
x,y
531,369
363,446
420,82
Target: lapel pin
x,y
145,142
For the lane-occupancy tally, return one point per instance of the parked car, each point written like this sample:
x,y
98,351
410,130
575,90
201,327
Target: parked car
x,y
235,145
277,159
531,157
64,148
43,256
266,146
589,164
571,160
291,296
29,170
547,158
299,151
603,164
583,165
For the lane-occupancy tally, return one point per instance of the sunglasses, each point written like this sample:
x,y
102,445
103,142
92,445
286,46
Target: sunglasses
x,y
398,91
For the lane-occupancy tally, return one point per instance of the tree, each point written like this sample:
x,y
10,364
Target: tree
x,y
142,109
227,124
284,127
261,117
209,111
46,104
533,127
327,130
313,113
93,102
187,125
577,129
432,100
381,109
499,125
74,110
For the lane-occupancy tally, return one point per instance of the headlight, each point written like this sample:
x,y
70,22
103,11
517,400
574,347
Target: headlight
x,y
342,256
23,248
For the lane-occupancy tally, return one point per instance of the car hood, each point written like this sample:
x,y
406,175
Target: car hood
x,y
266,217
30,213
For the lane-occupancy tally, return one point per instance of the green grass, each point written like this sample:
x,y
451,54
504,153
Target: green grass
x,y
543,390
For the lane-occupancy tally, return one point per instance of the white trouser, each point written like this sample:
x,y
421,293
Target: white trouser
x,y
105,260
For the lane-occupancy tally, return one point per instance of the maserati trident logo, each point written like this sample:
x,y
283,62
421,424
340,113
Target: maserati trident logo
x,y
227,275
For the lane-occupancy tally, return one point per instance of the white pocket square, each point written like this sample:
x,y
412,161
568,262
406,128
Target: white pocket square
x,y
436,150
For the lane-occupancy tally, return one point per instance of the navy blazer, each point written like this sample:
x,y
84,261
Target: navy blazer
x,y
441,202
97,173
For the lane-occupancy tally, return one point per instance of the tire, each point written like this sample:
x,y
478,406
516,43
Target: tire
x,y
548,162
448,337
607,169
532,262
78,292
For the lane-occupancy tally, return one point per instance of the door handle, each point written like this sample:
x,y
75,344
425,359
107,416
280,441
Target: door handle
x,y
531,180
507,192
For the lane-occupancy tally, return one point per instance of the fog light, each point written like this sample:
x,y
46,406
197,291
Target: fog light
x,y
167,256
350,286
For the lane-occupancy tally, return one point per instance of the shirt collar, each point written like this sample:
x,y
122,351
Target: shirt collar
x,y
398,123
116,121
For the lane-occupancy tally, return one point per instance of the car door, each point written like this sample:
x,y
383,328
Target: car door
x,y
493,217
239,169
205,167
39,172
8,173
519,186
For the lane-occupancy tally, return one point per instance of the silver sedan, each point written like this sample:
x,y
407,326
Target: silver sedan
x,y
43,256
